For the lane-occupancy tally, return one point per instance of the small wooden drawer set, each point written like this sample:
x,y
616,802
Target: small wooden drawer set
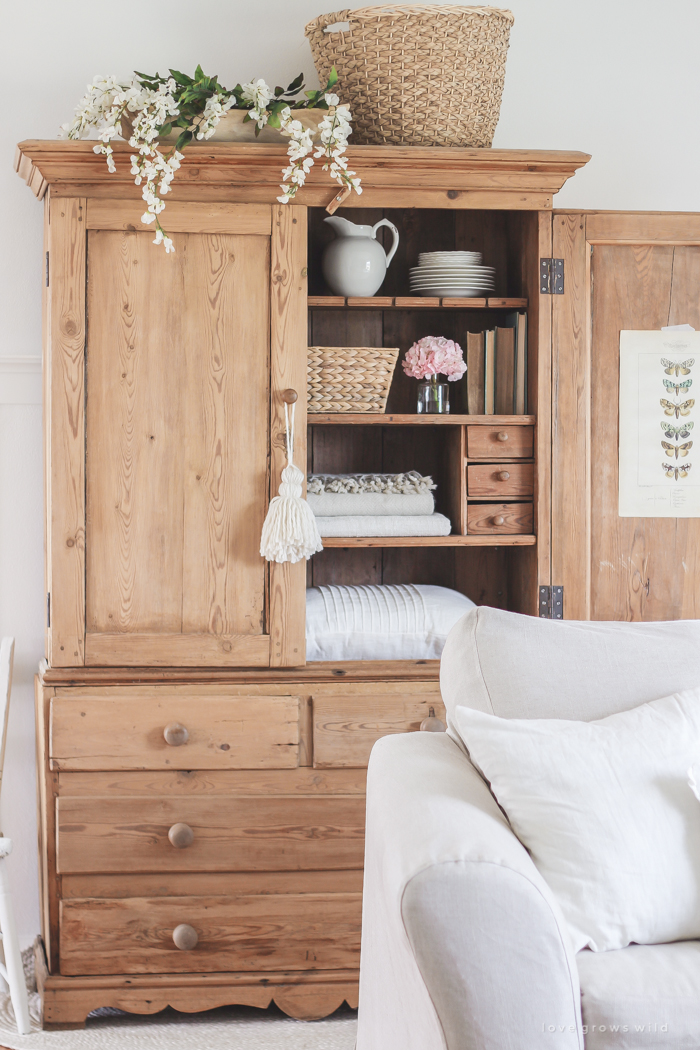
x,y
497,482
209,830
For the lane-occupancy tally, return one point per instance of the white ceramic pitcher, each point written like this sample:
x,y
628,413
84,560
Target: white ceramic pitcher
x,y
355,264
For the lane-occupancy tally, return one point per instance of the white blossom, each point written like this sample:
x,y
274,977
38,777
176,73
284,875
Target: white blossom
x,y
260,95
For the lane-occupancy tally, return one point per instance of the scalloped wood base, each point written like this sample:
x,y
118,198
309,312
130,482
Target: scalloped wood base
x,y
66,1001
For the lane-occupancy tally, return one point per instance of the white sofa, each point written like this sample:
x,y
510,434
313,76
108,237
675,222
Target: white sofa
x,y
463,945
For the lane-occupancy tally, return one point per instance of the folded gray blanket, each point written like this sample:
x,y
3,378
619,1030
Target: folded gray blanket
x,y
411,483
385,525
332,504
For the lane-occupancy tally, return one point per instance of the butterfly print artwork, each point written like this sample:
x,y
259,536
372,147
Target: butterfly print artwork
x,y
678,369
677,386
680,470
670,408
679,450
679,433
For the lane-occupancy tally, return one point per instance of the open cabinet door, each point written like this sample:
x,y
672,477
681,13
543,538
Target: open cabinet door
x,y
621,271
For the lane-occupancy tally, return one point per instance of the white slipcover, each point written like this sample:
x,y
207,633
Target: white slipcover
x,y
463,946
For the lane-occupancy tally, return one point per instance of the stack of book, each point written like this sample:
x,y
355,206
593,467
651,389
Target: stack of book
x,y
496,379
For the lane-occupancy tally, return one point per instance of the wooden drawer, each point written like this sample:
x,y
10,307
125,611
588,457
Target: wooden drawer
x,y
229,833
505,442
234,934
346,727
509,519
500,480
223,732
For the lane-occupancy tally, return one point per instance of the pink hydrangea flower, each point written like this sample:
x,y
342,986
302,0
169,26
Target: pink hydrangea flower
x,y
434,355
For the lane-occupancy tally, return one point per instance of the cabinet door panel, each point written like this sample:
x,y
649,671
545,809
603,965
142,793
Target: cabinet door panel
x,y
177,438
638,272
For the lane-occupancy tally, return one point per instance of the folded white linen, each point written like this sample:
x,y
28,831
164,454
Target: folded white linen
x,y
333,504
385,525
381,621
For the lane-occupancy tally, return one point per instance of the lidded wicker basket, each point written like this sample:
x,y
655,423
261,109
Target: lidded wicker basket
x,y
417,74
349,378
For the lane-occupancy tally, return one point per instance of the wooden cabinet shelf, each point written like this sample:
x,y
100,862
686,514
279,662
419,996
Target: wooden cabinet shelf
x,y
407,419
388,302
429,541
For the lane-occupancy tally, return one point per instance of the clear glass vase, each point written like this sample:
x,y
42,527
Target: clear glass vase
x,y
433,396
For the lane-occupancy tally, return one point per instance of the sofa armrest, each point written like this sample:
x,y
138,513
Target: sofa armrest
x,y
463,946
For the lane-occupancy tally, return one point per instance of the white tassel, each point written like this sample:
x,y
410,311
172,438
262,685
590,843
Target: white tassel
x,y
290,532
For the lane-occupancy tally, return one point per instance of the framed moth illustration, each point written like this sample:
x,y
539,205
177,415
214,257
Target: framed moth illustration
x,y
659,388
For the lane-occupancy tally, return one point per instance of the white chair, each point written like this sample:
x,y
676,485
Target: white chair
x,y
11,969
463,944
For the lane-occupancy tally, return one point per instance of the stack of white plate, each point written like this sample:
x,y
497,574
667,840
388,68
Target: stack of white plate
x,y
451,275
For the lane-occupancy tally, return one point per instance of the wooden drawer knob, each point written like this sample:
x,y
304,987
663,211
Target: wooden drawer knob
x,y
499,520
181,836
503,475
432,724
502,435
185,937
175,734
290,396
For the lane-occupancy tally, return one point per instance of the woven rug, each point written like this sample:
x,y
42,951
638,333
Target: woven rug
x,y
228,1028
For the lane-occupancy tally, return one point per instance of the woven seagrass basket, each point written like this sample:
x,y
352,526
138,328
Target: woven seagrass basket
x,y
417,74
349,378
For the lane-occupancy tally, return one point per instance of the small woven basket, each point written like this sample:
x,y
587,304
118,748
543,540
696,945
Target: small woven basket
x,y
417,74
349,378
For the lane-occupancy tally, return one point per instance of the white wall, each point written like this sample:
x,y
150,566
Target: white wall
x,y
615,78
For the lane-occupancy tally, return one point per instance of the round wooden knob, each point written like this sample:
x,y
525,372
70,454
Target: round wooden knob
x,y
181,836
432,724
503,475
499,520
502,435
290,396
185,937
175,734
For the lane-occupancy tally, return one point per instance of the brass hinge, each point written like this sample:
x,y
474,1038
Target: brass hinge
x,y
552,603
551,276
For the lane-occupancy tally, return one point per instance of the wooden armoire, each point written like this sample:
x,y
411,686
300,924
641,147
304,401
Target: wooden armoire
x,y
201,788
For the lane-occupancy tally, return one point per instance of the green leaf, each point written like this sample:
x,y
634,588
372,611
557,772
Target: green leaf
x,y
198,73
332,78
296,85
183,139
180,78
165,129
274,121
279,91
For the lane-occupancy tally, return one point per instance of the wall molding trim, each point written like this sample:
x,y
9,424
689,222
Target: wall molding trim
x,y
20,380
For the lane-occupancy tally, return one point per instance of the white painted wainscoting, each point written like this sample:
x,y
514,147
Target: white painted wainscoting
x,y
21,615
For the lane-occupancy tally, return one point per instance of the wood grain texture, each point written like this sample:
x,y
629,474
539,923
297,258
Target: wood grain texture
x,y
246,732
230,834
408,176
488,481
499,519
306,931
676,228
183,217
346,729
571,398
406,419
287,589
307,995
484,442
179,482
210,884
47,790
640,568
198,782
65,376
338,672
165,649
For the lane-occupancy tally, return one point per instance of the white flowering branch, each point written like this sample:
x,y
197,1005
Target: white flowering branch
x,y
147,107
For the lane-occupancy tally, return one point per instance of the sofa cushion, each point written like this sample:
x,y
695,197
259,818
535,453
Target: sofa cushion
x,y
644,996
524,667
607,813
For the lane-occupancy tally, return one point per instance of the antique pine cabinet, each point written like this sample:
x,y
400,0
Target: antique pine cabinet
x,y
201,789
